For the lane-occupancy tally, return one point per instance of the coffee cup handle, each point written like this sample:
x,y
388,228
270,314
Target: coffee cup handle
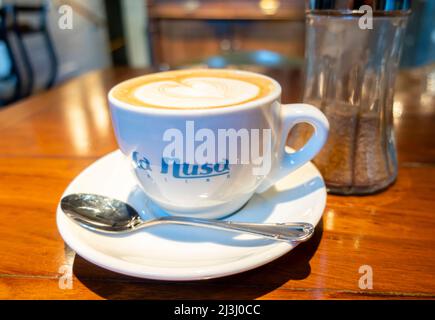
x,y
291,115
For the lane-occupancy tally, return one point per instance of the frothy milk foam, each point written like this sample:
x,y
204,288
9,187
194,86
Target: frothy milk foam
x,y
193,89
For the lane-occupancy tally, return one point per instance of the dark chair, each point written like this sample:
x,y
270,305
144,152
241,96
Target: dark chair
x,y
22,29
10,79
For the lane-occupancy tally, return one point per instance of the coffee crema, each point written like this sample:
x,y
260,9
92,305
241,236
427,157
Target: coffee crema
x,y
193,89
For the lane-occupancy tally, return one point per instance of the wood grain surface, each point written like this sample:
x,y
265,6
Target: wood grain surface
x,y
48,139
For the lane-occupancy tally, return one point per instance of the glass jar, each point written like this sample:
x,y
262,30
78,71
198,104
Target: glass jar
x,y
350,76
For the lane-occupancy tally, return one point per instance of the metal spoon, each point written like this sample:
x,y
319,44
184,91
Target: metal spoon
x,y
107,215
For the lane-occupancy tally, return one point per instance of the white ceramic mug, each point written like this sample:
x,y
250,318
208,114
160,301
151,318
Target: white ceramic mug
x,y
212,190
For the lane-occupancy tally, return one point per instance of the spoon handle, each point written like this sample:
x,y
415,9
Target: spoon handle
x,y
287,232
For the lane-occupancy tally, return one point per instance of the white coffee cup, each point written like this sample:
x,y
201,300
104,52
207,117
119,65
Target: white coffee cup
x,y
211,189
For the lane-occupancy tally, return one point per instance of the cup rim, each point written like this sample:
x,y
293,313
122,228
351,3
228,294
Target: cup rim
x,y
272,96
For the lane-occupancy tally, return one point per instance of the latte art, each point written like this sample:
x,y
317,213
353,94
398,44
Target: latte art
x,y
197,92
193,89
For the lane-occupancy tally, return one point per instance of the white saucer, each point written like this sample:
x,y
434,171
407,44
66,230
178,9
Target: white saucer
x,y
170,252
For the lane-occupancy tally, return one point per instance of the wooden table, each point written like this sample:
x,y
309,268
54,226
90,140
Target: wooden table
x,y
48,139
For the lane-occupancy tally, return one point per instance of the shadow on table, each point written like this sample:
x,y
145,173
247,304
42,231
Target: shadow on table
x,y
248,285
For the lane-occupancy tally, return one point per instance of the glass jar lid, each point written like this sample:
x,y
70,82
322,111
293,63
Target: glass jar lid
x,y
379,7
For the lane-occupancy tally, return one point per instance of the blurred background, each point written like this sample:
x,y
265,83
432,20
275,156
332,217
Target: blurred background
x,y
44,43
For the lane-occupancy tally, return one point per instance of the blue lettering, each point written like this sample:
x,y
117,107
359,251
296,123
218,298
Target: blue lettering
x,y
165,166
176,170
191,171
206,169
143,163
225,167
194,171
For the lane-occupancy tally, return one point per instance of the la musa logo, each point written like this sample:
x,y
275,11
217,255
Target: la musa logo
x,y
172,166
